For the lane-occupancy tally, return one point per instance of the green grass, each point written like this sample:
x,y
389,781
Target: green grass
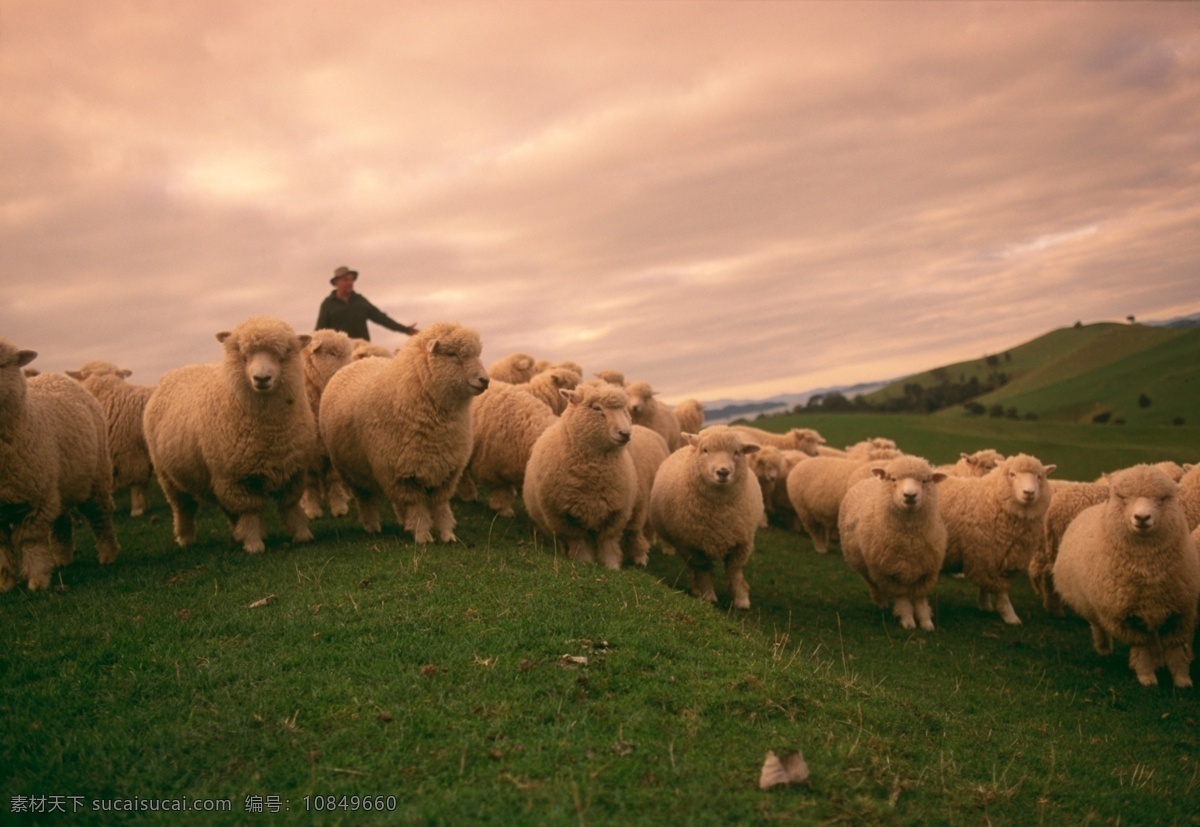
x,y
437,676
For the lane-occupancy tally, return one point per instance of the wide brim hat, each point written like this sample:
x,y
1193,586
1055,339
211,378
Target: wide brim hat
x,y
343,271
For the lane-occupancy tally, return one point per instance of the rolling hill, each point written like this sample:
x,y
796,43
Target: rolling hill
x,y
1105,372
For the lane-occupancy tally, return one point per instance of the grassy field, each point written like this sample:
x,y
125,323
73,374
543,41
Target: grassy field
x,y
494,681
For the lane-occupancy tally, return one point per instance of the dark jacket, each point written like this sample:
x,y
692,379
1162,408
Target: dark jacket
x,y
351,317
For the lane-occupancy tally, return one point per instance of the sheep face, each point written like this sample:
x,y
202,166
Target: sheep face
x,y
807,440
1144,497
454,359
259,349
1026,479
719,456
911,481
640,396
328,351
12,379
767,463
601,412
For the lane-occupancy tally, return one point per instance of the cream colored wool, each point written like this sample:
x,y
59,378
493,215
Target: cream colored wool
x,y
54,455
978,464
707,504
507,421
894,537
1189,495
1129,566
815,489
994,525
123,405
238,434
648,450
690,413
581,484
797,439
779,507
328,352
401,428
514,368
612,377
647,411
767,464
545,386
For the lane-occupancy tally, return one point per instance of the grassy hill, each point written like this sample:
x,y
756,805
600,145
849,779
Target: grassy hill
x,y
1133,373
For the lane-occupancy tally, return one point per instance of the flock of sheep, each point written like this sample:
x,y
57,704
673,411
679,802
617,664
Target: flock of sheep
x,y
603,468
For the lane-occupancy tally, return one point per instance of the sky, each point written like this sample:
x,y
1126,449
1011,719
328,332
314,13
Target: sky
x,y
724,199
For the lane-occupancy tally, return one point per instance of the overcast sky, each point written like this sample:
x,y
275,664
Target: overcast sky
x,y
727,199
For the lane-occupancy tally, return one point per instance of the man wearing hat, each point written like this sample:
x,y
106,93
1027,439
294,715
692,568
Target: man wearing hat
x,y
347,311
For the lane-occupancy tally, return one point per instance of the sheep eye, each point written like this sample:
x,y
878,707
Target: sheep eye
x,y
597,409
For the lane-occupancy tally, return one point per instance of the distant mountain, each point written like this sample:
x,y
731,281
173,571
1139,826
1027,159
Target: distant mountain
x,y
1179,321
721,410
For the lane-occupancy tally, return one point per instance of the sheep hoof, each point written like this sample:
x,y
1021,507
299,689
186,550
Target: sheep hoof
x,y
254,546
38,582
448,537
742,603
1182,682
907,623
927,625
304,536
1147,679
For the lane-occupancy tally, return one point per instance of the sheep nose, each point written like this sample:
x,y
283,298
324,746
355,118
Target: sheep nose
x,y
483,383
1141,520
722,474
910,497
622,436
262,382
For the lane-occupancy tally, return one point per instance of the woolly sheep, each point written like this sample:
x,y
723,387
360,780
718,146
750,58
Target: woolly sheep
x,y
646,410
54,455
862,449
780,506
238,433
707,505
1189,495
648,450
796,439
581,482
994,526
543,365
326,353
1068,499
514,368
766,464
894,537
1129,566
815,489
545,386
401,428
123,405
690,413
612,377
977,464
507,421
365,350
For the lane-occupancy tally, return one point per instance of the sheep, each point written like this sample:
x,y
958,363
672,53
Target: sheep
x,y
796,439
648,450
54,455
863,448
1189,494
690,413
815,489
994,525
238,433
977,464
707,505
894,537
581,483
1129,566
766,464
648,411
514,368
506,421
123,405
543,365
545,386
365,350
401,428
612,377
328,352
1067,500
780,506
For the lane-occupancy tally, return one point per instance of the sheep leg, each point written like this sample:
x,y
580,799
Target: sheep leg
x,y
248,530
987,601
99,517
736,581
608,551
368,511
1004,607
924,613
8,566
637,548
337,493
1141,661
903,609
1101,640
183,512
502,500
581,551
137,500
702,583
62,540
467,491
295,520
1179,659
417,520
37,564
443,518
310,500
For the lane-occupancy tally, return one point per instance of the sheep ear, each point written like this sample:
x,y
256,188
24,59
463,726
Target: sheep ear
x,y
431,345
938,476
74,374
751,448
304,340
691,439
1049,469
125,373
965,455
878,473
571,396
24,357
223,335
